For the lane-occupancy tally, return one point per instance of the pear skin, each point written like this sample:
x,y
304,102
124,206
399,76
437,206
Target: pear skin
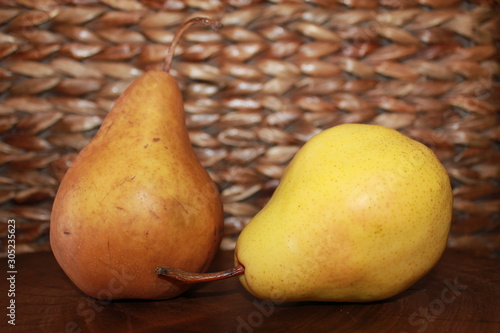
x,y
361,213
135,197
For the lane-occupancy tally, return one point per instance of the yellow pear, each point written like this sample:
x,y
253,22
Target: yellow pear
x,y
137,196
361,213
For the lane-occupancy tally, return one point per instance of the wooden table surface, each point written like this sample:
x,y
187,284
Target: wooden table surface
x,y
461,294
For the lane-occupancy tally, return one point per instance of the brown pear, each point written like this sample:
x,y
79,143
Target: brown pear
x,y
136,197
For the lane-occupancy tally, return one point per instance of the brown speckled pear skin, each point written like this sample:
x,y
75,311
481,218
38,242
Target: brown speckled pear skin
x,y
137,197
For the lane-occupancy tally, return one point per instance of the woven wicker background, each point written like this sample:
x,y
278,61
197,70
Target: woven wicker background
x,y
255,91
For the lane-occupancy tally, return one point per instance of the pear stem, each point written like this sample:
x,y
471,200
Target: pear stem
x,y
213,24
189,277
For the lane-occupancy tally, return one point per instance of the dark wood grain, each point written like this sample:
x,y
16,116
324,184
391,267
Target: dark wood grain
x,y
461,294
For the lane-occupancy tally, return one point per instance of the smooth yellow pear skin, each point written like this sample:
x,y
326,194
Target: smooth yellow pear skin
x,y
361,213
137,197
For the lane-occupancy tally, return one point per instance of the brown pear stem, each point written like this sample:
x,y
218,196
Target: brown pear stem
x,y
189,277
213,24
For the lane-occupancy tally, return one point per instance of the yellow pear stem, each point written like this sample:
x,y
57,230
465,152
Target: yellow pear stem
x,y
213,24
189,277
